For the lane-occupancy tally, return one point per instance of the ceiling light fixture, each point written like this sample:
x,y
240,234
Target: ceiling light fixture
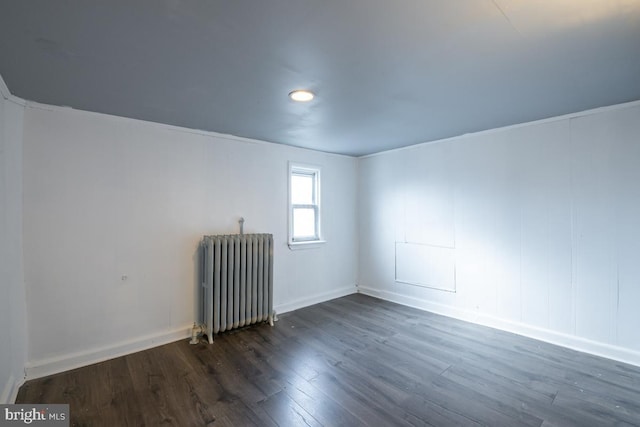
x,y
301,95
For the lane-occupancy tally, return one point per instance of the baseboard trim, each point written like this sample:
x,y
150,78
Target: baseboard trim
x,y
315,299
44,367
10,390
16,387
595,348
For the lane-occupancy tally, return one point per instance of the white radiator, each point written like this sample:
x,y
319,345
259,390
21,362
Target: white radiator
x,y
238,281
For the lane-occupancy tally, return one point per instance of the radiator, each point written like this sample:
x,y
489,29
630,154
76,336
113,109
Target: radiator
x,y
238,281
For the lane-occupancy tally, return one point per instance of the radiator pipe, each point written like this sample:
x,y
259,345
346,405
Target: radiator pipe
x,y
241,221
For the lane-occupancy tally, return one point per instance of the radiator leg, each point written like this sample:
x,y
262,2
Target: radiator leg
x,y
273,317
196,331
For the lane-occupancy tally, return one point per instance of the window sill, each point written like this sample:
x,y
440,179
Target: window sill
x,y
312,244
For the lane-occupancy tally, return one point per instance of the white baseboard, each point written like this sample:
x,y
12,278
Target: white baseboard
x,y
573,342
44,367
315,299
54,365
16,387
10,390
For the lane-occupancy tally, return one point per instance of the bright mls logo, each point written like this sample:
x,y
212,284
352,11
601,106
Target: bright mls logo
x,y
35,415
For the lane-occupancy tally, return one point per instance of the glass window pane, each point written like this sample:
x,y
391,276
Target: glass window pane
x,y
302,189
304,222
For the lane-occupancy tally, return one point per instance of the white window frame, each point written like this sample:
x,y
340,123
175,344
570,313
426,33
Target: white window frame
x,y
312,170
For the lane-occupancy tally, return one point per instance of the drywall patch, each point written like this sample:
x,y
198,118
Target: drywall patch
x,y
426,265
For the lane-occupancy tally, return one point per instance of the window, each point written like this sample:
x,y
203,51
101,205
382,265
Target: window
x,y
304,204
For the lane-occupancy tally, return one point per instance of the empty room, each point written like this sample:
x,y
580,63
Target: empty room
x,y
320,213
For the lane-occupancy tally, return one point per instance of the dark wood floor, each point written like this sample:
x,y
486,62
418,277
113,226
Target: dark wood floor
x,y
354,361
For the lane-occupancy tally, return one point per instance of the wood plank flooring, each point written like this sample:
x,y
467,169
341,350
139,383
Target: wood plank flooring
x,y
353,361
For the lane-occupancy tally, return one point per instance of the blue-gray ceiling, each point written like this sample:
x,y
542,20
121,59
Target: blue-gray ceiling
x,y
386,73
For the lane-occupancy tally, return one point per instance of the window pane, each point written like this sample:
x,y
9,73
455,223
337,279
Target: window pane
x,y
302,189
304,223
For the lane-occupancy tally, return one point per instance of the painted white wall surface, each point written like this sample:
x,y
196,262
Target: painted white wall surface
x,y
543,218
107,199
12,297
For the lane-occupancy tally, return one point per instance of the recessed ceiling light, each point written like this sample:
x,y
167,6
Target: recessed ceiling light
x,y
301,95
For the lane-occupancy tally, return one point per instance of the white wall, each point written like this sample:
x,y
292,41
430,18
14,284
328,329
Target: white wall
x,y
543,221
541,218
12,298
107,197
